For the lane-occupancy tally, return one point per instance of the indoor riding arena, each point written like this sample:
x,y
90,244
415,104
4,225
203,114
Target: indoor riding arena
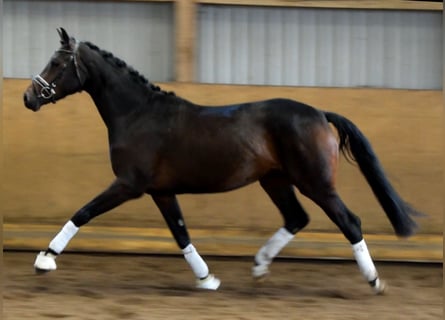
x,y
377,63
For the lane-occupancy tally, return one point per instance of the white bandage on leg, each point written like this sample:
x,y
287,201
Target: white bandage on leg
x,y
61,240
269,251
364,261
273,246
199,267
367,268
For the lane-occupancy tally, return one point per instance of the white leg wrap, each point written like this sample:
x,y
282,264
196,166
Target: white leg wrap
x,y
364,261
367,268
200,269
269,251
198,265
61,240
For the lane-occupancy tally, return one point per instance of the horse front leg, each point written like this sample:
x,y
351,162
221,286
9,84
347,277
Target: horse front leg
x,y
169,207
112,197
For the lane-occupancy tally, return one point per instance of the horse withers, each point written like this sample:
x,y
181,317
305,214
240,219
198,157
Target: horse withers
x,y
163,145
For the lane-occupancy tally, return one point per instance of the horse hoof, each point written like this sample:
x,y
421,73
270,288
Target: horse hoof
x,y
380,288
260,272
208,283
45,262
261,279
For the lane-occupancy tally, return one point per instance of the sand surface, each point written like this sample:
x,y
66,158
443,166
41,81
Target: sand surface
x,y
100,287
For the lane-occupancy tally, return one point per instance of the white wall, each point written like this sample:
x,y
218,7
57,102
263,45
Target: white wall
x,y
239,44
140,33
320,47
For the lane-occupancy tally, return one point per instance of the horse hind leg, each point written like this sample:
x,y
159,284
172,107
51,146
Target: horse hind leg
x,y
350,225
281,192
315,178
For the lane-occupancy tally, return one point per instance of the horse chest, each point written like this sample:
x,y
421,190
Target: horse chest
x,y
129,158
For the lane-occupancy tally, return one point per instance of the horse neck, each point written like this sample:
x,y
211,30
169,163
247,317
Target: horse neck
x,y
114,93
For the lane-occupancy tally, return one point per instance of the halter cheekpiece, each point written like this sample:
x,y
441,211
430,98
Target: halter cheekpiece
x,y
47,90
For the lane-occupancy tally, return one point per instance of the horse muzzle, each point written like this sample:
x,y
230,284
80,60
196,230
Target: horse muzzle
x,y
30,100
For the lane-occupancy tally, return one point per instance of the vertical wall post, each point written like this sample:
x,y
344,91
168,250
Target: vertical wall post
x,y
185,40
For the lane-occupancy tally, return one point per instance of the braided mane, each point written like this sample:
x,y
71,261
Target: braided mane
x,y
119,63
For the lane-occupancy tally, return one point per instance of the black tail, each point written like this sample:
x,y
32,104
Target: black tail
x,y
355,146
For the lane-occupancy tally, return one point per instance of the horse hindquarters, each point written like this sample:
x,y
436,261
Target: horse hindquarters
x,y
312,167
310,161
352,141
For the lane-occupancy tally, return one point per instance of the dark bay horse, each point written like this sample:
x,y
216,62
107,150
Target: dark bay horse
x,y
163,145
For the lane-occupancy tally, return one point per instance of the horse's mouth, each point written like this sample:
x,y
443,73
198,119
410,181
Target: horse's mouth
x,y
31,103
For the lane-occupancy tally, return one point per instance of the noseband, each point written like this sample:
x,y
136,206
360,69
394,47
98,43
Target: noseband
x,y
47,90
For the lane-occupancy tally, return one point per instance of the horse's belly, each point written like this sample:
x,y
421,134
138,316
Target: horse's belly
x,y
207,178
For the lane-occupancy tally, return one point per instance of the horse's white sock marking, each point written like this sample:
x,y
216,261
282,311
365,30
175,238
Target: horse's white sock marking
x,y
61,240
195,261
270,250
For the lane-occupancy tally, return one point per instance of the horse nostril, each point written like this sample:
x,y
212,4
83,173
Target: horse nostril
x,y
30,103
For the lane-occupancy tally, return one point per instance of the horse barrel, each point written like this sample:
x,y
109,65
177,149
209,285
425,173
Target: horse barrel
x,y
57,160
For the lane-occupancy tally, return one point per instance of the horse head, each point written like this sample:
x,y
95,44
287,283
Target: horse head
x,y
62,75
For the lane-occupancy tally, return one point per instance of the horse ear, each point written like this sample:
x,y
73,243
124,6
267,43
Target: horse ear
x,y
64,37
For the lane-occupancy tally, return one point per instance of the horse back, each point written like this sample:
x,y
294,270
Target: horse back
x,y
195,149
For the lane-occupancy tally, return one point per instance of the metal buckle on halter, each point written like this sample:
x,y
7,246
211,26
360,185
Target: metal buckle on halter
x,y
47,90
